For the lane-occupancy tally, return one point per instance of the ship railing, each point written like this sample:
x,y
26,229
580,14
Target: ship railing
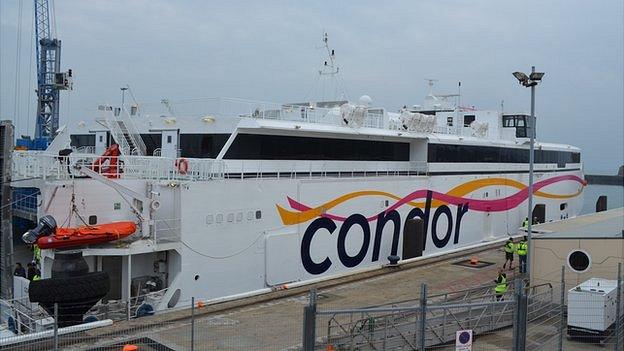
x,y
28,317
305,113
270,169
87,149
37,165
118,310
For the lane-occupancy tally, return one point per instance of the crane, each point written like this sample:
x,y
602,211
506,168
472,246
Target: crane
x,y
50,80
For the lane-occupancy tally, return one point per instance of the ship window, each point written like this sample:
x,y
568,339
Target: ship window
x,y
468,119
152,142
168,139
563,206
101,138
491,154
258,214
280,147
92,220
202,145
509,121
78,140
449,121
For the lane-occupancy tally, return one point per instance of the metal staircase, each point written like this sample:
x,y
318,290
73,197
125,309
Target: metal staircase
x,y
125,132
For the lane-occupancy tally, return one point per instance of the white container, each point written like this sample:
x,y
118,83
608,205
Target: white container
x,y
592,304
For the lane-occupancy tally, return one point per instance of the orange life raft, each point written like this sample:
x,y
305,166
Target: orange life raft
x,y
86,235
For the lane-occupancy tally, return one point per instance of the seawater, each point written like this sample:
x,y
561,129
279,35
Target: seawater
x,y
614,193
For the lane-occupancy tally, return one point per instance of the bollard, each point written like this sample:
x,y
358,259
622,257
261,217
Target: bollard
x,y
192,323
56,339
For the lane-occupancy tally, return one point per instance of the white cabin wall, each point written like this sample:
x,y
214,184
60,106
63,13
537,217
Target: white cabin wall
x,y
91,197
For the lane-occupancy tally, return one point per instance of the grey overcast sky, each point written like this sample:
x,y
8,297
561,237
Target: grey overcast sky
x,y
267,50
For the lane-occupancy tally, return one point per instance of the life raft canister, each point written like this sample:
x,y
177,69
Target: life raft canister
x,y
182,165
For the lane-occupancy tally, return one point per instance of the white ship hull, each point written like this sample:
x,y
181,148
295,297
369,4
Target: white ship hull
x,y
233,236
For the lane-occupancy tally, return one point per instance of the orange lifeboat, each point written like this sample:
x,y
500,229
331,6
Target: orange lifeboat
x,y
87,235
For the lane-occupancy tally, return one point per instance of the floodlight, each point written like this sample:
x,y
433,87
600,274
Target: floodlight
x,y
536,76
521,77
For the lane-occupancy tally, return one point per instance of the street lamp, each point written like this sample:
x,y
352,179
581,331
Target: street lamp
x,y
530,81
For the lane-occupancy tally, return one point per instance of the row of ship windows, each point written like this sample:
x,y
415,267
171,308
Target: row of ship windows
x,y
231,217
279,147
493,154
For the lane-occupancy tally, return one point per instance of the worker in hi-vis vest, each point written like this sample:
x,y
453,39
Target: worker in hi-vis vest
x,y
525,223
36,253
510,249
501,285
523,249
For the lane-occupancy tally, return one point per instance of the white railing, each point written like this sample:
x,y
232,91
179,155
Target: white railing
x,y
37,165
88,149
318,169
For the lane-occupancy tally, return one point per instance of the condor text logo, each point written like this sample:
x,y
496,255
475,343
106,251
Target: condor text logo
x,y
327,225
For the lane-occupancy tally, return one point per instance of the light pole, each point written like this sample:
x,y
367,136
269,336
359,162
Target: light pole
x,y
530,82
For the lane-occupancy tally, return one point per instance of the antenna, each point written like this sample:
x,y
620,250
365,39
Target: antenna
x,y
329,68
430,83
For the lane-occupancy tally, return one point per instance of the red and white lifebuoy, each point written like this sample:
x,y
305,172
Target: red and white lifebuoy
x,y
182,165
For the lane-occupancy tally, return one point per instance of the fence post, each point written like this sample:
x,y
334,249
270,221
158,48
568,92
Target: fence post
x,y
519,335
56,339
128,309
193,323
423,315
618,306
309,323
562,310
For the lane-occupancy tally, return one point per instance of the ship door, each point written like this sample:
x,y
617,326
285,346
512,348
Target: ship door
x,y
169,145
101,142
539,213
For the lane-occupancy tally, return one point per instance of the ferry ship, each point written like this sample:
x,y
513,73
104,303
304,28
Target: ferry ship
x,y
248,196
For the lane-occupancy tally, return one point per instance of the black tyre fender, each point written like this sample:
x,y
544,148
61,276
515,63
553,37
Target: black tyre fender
x,y
74,289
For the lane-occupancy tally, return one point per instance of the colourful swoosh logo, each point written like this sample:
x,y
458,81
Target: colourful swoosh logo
x,y
455,196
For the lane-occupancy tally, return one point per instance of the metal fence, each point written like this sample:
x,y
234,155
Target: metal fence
x,y
554,315
547,316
